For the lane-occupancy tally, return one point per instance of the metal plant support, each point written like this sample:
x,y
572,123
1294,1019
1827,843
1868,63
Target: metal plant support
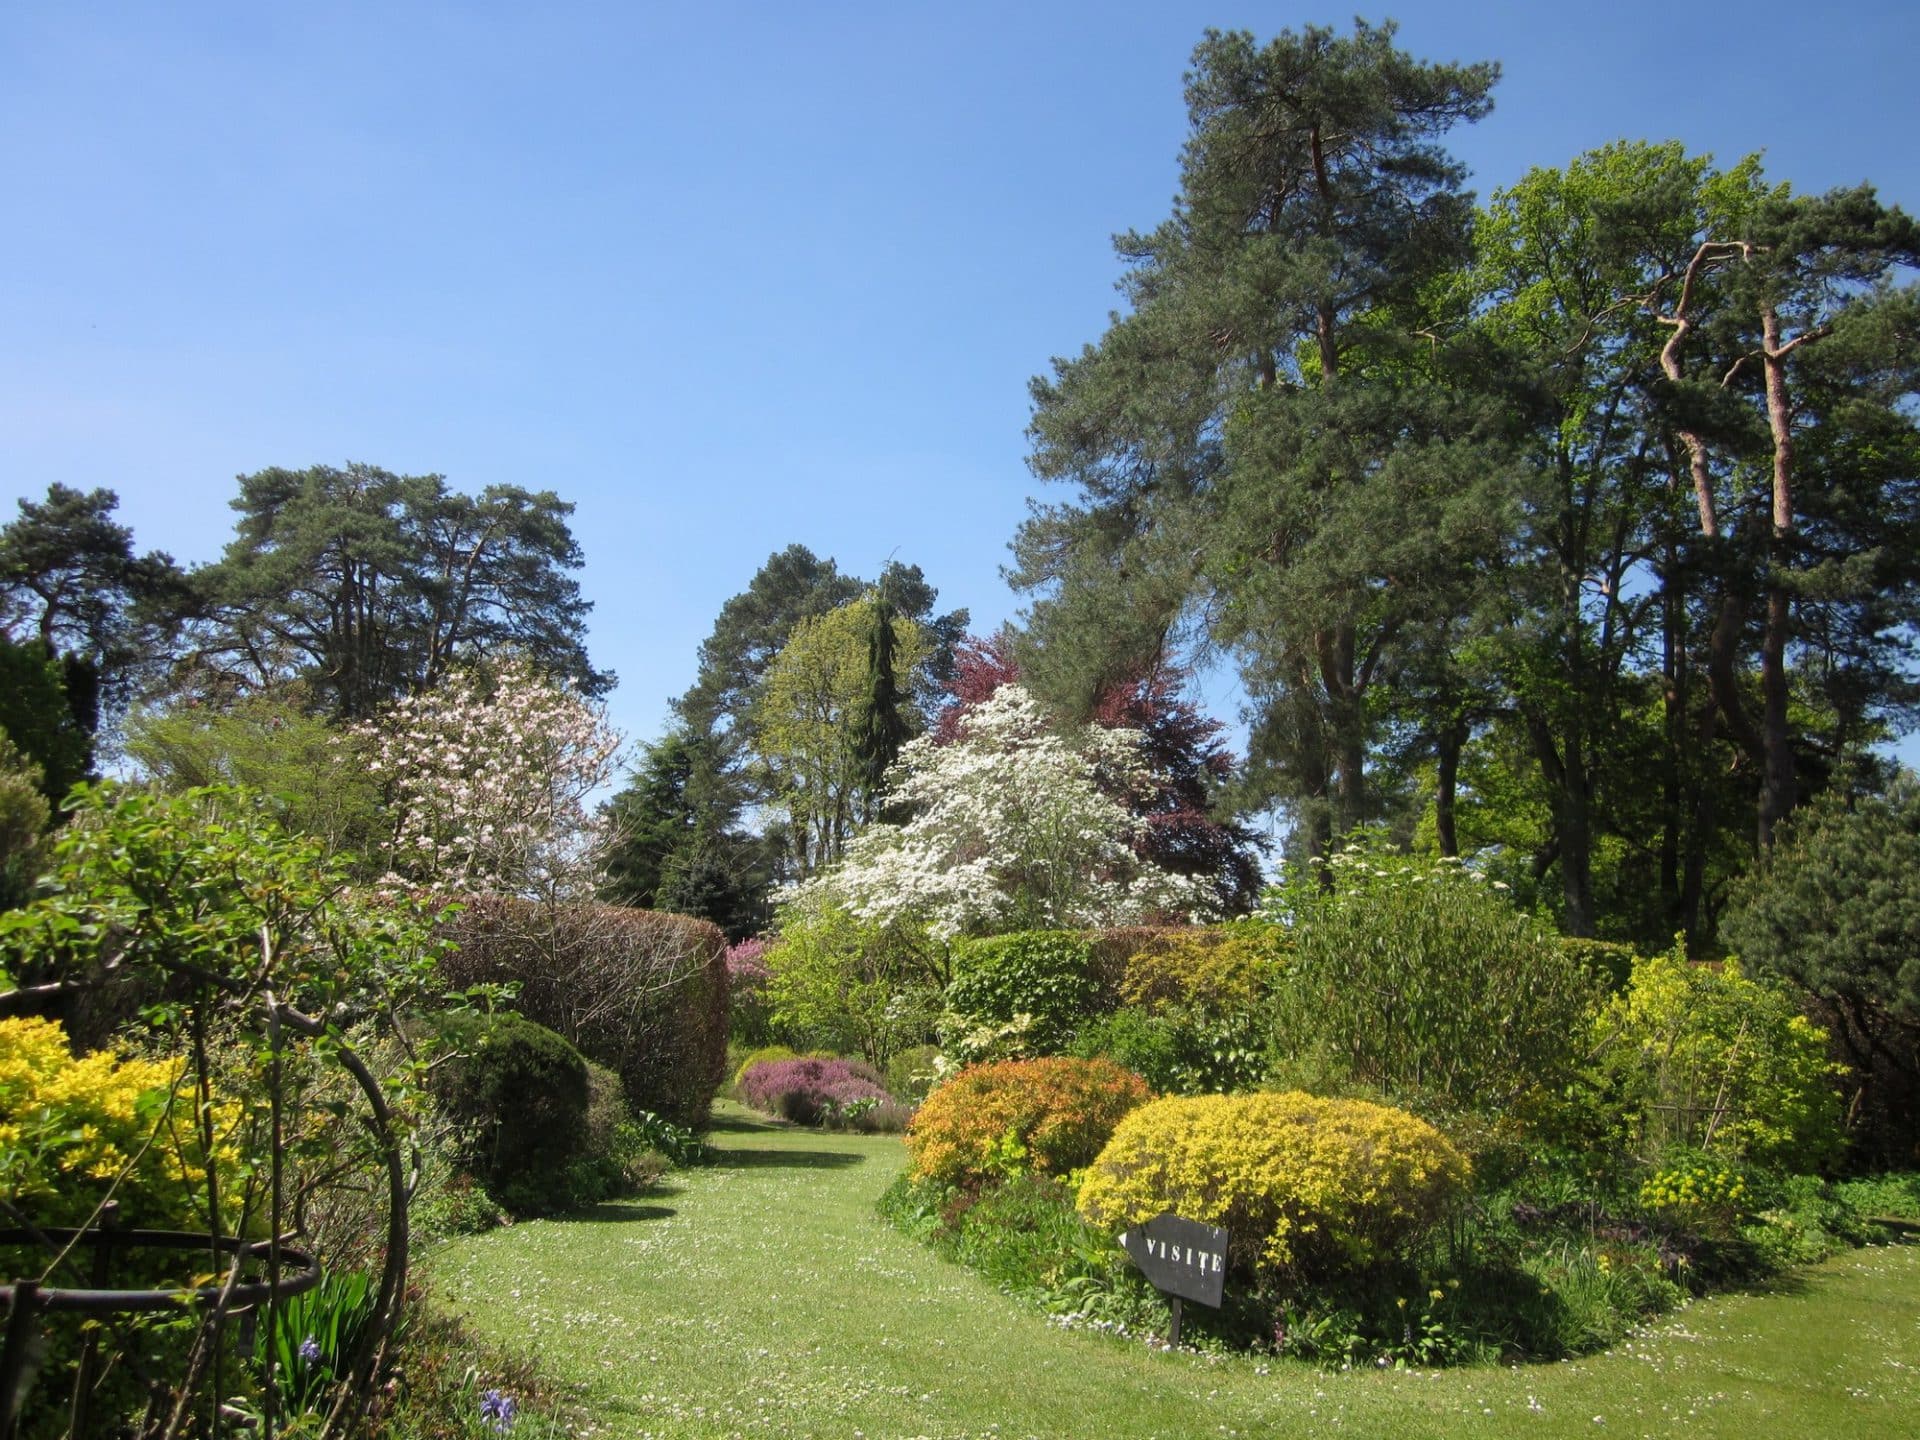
x,y
259,1275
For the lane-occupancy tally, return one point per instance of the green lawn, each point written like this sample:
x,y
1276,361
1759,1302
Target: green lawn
x,y
763,1297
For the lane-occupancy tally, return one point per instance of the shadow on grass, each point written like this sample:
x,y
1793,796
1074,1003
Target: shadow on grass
x,y
732,1124
729,1159
622,1212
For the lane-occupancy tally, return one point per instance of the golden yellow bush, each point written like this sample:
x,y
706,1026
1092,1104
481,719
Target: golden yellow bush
x,y
1302,1185
77,1127
1219,967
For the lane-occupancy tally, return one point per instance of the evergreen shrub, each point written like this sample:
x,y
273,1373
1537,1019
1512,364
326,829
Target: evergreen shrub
x,y
642,993
522,1099
1304,1186
1047,1116
1045,974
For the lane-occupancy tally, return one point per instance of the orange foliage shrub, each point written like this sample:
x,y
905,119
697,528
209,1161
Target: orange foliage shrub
x,y
991,1122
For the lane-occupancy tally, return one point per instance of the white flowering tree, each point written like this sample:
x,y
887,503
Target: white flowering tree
x,y
487,778
1010,829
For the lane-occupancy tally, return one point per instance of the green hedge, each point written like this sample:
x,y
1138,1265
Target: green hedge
x,y
642,993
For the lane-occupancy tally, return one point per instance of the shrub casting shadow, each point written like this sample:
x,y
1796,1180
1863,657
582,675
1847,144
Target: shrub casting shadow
x,y
617,1212
795,1159
746,1124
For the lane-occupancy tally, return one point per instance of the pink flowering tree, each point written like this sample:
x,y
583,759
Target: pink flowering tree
x,y
487,778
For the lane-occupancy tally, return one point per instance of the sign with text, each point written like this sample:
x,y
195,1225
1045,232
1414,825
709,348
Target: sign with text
x,y
1180,1257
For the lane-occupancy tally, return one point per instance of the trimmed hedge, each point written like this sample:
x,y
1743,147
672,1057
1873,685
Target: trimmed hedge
x,y
1304,1186
1020,1116
644,994
1114,949
1226,967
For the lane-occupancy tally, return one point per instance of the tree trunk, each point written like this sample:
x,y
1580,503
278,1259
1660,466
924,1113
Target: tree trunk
x,y
1452,740
1563,764
1780,792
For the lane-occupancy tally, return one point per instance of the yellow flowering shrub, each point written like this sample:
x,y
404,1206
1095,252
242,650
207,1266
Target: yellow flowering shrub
x,y
1302,1185
1699,1057
1700,1195
71,1127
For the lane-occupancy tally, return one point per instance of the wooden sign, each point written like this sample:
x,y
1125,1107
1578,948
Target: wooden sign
x,y
1182,1259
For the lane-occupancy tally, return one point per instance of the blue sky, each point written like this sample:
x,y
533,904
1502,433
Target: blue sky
x,y
727,276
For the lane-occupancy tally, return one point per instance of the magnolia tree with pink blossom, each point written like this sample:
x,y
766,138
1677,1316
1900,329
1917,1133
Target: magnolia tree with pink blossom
x,y
487,779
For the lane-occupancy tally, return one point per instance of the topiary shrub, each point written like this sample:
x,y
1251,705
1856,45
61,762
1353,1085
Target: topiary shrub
x,y
1020,1117
1044,974
1303,1186
813,1091
642,993
521,1096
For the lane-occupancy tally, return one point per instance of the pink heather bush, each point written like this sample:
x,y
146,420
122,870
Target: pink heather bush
x,y
814,1092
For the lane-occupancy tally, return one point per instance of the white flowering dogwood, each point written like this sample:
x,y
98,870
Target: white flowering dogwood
x,y
487,778
1009,829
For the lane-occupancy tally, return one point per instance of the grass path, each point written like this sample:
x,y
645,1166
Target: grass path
x,y
762,1297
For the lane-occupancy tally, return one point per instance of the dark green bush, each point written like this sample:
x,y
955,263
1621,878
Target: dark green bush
x,y
641,993
1608,961
521,1097
1833,910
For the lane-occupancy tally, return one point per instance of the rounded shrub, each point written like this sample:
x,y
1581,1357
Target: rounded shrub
x,y
642,993
990,1122
1302,1185
756,1057
1422,981
522,1099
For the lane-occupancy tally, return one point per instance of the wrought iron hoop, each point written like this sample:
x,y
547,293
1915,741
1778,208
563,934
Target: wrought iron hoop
x,y
109,1301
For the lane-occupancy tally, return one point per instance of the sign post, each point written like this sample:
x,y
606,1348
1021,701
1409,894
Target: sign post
x,y
1182,1259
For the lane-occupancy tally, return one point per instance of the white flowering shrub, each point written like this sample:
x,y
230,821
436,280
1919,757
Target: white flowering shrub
x,y
1010,829
487,779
